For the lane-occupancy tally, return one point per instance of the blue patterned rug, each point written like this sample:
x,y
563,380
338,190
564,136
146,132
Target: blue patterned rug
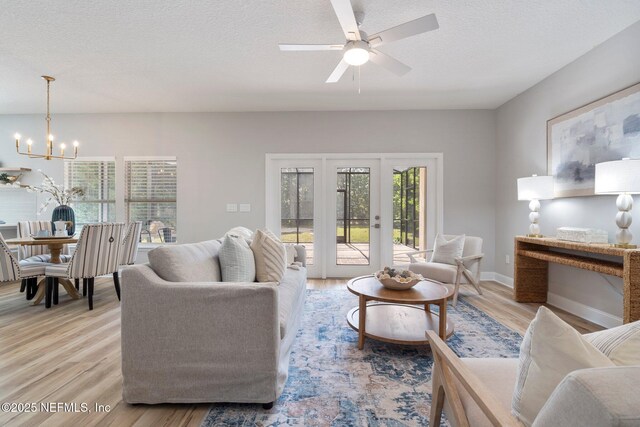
x,y
332,383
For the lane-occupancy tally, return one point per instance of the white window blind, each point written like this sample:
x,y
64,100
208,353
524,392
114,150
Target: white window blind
x,y
97,179
150,197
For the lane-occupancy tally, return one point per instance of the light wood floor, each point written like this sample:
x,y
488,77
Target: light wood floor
x,y
70,354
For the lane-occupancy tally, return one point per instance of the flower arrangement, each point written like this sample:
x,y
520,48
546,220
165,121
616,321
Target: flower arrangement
x,y
56,193
398,279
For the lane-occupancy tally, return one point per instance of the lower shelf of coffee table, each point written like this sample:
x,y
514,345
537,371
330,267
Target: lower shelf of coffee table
x,y
397,323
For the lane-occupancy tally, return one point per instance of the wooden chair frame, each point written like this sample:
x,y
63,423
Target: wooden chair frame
x,y
463,264
446,367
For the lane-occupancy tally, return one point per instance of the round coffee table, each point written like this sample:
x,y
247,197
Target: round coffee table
x,y
399,317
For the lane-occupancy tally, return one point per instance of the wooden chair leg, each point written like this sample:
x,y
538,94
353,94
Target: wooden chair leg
x,y
23,285
77,283
116,283
90,289
456,287
84,287
437,398
48,292
56,290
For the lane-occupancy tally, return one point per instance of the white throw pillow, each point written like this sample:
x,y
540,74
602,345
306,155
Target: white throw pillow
x,y
270,255
242,232
620,344
446,251
550,350
291,254
236,260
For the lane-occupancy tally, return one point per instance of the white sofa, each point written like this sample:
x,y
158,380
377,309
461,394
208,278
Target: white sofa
x,y
188,337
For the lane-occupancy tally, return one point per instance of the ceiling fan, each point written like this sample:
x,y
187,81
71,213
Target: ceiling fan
x,y
360,47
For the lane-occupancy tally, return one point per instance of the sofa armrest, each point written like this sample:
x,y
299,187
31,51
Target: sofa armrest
x,y
594,397
226,331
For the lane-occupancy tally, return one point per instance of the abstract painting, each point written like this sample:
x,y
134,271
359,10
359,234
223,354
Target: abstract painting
x,y
604,130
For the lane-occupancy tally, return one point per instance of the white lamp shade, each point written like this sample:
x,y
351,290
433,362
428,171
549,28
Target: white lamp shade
x,y
619,176
535,187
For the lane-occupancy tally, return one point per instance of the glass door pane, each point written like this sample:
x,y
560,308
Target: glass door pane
x,y
409,212
296,208
353,216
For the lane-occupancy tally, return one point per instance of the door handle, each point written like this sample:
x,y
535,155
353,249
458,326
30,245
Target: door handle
x,y
375,226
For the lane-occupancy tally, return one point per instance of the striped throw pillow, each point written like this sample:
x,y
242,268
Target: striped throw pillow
x,y
270,255
620,344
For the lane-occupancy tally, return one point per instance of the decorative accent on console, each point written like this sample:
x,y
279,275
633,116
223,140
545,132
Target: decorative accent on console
x,y
535,188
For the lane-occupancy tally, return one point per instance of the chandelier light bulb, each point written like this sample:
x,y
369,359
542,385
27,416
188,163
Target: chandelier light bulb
x,y
51,138
17,136
76,143
63,146
356,53
29,142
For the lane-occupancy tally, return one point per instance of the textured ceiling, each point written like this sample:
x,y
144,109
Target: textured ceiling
x,y
198,55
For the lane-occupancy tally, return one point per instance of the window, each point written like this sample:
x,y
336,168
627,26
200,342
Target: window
x,y
150,197
296,207
97,178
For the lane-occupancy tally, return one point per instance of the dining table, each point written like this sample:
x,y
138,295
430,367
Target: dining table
x,y
55,245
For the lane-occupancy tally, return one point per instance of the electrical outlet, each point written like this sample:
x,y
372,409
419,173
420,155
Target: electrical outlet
x,y
507,259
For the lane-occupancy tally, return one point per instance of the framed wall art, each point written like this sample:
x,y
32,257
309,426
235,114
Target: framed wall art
x,y
603,130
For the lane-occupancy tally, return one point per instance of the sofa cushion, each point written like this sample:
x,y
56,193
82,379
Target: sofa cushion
x,y
242,232
498,375
236,260
620,344
290,294
446,251
270,255
192,262
550,349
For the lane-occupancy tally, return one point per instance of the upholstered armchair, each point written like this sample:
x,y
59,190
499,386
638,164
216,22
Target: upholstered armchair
x,y
466,269
12,270
479,392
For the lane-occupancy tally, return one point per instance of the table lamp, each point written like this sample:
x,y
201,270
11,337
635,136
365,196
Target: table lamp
x,y
621,177
535,188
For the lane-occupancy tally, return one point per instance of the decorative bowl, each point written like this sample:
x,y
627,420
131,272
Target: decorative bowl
x,y
398,280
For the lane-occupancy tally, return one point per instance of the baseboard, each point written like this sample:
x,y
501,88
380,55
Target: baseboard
x,y
586,312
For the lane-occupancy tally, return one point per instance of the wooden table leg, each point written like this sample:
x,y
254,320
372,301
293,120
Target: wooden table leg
x,y
362,321
37,299
55,249
530,277
443,320
70,288
631,287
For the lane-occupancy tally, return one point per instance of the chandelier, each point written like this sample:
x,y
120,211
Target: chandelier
x,y
49,138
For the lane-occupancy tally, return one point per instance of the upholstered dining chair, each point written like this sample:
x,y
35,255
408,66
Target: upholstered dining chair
x,y
12,270
129,251
466,269
37,253
97,253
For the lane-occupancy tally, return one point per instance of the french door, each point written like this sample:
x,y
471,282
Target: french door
x,y
354,212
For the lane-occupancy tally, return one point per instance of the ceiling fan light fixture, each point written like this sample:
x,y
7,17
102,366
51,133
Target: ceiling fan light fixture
x,y
356,53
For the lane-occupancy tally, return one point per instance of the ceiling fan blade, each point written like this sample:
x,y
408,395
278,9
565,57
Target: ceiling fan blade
x,y
347,18
309,47
391,64
338,72
408,29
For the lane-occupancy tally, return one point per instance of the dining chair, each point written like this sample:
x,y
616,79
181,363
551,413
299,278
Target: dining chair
x,y
129,251
12,270
167,234
38,253
97,253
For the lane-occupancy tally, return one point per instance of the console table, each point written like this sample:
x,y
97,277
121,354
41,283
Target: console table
x,y
531,269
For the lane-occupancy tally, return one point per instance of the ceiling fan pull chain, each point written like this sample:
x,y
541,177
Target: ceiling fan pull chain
x,y
359,80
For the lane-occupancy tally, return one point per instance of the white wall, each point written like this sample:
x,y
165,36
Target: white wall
x,y
522,151
221,156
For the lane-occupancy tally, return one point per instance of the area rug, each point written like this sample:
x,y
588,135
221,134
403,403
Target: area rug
x,y
332,383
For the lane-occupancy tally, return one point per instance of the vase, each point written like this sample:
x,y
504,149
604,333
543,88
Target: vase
x,y
64,213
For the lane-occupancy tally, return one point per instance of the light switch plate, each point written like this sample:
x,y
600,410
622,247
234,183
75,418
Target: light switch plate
x,y
232,207
245,207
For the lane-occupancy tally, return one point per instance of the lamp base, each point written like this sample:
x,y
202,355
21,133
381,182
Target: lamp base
x,y
624,245
535,235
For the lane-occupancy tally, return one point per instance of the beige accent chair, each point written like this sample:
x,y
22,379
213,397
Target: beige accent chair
x,y
466,270
478,393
